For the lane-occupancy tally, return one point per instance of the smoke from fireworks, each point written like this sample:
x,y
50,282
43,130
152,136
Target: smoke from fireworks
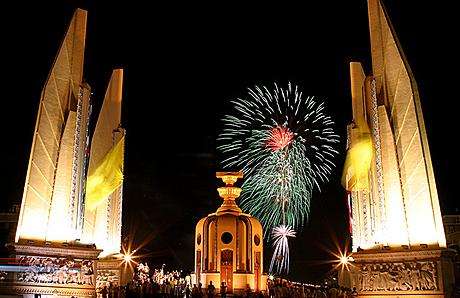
x,y
284,143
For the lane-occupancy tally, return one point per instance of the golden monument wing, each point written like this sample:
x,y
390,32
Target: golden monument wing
x,y
103,205
397,91
58,95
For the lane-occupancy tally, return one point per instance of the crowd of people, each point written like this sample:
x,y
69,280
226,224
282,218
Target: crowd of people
x,y
150,283
158,283
161,283
280,288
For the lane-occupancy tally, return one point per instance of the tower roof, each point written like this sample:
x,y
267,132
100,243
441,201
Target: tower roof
x,y
229,192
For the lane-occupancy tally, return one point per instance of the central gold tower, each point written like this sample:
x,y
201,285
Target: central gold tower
x,y
229,244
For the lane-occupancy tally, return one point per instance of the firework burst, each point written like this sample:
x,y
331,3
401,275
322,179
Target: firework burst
x,y
270,120
280,138
284,143
277,192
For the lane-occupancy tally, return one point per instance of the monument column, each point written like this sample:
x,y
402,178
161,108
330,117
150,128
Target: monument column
x,y
68,220
399,247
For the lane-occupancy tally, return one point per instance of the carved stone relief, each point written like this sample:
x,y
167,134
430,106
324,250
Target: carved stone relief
x,y
55,270
105,277
403,276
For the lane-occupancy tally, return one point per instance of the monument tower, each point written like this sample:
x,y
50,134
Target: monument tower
x,y
229,244
70,214
397,232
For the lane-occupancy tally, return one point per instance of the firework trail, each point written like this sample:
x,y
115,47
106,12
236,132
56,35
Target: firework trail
x,y
280,243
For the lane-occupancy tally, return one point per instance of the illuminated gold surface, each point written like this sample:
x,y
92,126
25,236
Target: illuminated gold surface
x,y
397,233
51,220
399,94
58,97
396,227
59,221
246,268
229,178
103,224
229,193
398,203
52,205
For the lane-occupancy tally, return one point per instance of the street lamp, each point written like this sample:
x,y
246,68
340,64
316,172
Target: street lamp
x,y
345,261
127,258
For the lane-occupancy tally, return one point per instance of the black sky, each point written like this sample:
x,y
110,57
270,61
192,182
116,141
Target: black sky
x,y
183,63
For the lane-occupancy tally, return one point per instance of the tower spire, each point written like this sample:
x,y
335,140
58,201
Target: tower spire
x,y
229,192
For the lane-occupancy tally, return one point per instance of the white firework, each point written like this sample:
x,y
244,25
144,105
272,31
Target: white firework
x,y
280,258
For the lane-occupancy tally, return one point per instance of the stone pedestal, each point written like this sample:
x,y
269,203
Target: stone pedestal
x,y
415,273
50,269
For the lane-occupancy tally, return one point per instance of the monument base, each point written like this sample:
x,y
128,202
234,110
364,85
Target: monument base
x,y
113,270
415,273
50,269
240,281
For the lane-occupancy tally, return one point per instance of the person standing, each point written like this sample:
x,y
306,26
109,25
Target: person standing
x,y
223,290
333,292
200,290
104,292
211,290
247,291
188,291
195,291
116,291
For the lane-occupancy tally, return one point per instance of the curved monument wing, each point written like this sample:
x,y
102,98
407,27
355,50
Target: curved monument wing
x,y
59,95
102,224
397,90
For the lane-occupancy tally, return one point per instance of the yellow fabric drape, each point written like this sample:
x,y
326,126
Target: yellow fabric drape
x,y
357,164
107,177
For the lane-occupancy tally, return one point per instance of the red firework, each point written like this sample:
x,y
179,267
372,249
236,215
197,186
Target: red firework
x,y
280,137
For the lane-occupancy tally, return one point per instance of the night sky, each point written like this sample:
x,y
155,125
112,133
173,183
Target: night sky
x,y
183,63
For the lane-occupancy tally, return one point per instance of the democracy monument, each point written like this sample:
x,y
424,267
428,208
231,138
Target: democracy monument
x,y
68,235
398,239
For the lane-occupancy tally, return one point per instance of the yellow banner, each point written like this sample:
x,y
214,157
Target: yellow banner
x,y
107,177
357,164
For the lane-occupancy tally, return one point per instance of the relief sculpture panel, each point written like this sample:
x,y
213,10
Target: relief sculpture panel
x,y
51,270
403,276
